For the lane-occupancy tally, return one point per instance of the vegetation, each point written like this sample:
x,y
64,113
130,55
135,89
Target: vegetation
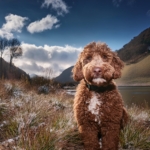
x,y
34,121
3,45
15,72
136,74
136,135
29,121
15,51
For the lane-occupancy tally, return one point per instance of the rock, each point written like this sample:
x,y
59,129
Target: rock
x,y
43,89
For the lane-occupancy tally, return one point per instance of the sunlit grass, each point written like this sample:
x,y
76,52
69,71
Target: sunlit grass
x,y
136,73
31,121
136,134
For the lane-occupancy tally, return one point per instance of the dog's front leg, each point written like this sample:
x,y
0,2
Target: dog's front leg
x,y
110,138
90,137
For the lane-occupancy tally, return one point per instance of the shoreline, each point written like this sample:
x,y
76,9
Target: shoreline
x,y
133,85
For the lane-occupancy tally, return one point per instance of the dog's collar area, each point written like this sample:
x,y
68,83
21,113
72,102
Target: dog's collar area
x,y
98,88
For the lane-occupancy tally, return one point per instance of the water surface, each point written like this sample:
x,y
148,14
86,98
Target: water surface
x,y
138,95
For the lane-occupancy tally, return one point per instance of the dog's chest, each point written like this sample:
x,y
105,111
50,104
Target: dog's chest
x,y
94,107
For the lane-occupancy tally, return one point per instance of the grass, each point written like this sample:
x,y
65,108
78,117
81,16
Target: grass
x,y
36,121
136,73
136,135
32,121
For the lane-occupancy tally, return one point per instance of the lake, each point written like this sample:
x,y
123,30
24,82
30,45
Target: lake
x,y
138,95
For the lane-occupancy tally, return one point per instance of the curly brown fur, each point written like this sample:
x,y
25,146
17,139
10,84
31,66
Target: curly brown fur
x,y
99,115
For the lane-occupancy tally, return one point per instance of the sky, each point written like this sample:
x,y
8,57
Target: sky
x,y
53,32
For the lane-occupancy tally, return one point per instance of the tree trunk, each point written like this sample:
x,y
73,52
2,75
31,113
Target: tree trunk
x,y
1,68
10,63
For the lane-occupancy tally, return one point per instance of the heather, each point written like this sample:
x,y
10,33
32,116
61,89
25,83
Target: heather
x,y
30,120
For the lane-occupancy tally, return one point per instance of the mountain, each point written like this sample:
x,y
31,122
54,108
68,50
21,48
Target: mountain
x,y
136,73
11,73
65,76
133,74
136,55
137,49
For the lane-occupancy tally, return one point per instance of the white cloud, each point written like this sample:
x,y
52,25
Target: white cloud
x,y
44,24
6,34
57,5
36,59
14,23
57,26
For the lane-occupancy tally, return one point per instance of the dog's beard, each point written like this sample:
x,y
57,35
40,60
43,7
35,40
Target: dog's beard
x,y
98,80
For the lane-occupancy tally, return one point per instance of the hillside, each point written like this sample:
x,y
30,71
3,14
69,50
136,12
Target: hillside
x,y
13,73
32,121
65,76
133,74
137,49
136,74
136,55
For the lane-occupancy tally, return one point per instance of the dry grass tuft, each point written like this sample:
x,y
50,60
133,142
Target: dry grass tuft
x,y
136,135
32,121
29,121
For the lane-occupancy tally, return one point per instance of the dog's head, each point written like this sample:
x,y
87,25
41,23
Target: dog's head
x,y
97,64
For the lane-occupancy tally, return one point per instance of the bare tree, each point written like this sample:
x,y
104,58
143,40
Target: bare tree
x,y
15,50
4,43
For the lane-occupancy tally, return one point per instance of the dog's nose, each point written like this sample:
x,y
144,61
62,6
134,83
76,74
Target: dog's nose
x,y
97,70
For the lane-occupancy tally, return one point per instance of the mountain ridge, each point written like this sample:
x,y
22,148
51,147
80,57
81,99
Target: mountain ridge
x,y
11,73
135,54
137,49
62,77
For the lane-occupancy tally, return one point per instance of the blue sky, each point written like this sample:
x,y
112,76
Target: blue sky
x,y
53,32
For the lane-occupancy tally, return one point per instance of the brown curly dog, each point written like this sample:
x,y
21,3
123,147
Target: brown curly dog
x,y
98,106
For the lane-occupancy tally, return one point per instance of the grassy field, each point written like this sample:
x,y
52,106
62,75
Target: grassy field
x,y
136,74
32,121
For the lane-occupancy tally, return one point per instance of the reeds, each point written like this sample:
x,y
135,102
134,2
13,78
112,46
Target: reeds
x,y
31,121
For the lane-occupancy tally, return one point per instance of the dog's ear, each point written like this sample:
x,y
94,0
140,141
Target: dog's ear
x,y
77,71
118,64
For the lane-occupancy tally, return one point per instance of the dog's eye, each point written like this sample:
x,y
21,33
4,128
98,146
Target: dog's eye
x,y
104,57
87,59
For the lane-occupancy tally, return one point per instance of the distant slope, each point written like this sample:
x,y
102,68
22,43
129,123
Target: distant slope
x,y
136,74
136,55
13,73
137,49
65,76
133,74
